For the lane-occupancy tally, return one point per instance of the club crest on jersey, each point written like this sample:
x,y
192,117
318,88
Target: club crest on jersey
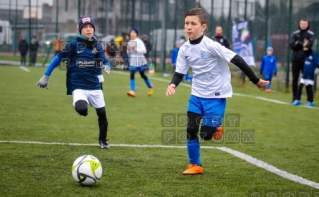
x,y
310,57
203,54
94,51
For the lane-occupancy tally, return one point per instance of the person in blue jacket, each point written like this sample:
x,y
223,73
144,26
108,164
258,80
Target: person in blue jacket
x,y
268,67
178,44
85,61
311,67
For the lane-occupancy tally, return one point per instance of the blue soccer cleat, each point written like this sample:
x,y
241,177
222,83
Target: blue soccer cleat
x,y
310,104
296,103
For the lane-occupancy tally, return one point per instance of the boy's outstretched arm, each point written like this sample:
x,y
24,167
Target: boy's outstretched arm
x,y
44,81
177,78
242,65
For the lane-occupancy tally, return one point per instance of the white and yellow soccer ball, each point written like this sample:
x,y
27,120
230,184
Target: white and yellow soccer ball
x,y
87,170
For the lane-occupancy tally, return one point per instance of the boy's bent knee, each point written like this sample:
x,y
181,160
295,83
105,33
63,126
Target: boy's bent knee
x,y
101,111
206,132
81,106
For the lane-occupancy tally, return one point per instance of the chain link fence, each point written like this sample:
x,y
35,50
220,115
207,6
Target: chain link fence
x,y
273,22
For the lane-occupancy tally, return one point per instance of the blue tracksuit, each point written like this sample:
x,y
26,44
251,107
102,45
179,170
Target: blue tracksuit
x,y
307,79
83,58
268,67
174,55
311,62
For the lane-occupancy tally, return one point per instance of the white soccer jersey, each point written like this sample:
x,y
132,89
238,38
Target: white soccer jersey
x,y
137,57
209,62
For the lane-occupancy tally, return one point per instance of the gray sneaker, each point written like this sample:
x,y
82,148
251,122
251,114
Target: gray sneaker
x,y
104,144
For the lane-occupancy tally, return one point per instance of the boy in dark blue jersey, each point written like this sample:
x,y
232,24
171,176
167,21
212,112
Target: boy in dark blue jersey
x,y
84,56
310,69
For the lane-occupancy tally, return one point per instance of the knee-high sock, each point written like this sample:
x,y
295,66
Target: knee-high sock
x,y
148,83
103,123
132,84
193,149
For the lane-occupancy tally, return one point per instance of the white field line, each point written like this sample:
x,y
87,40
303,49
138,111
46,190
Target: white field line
x,y
24,68
238,154
235,94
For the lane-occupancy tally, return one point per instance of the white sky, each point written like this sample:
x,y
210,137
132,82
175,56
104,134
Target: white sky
x,y
5,4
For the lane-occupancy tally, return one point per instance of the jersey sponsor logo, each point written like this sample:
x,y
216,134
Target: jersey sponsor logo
x,y
307,63
87,19
84,63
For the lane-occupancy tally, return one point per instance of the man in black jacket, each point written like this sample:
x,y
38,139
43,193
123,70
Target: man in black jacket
x,y
148,46
23,49
298,39
220,38
34,45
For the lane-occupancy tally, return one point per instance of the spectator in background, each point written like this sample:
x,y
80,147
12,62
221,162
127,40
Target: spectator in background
x,y
297,41
148,46
178,44
268,67
111,50
124,54
311,67
219,37
23,50
57,45
34,45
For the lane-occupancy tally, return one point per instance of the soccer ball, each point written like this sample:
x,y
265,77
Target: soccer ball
x,y
87,170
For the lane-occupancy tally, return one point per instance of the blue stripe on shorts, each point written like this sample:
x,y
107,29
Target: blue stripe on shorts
x,y
138,68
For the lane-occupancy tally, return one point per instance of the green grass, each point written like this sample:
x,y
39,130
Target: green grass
x,y
16,58
285,137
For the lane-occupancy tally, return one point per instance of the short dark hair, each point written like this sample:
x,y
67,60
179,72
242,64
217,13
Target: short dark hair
x,y
197,12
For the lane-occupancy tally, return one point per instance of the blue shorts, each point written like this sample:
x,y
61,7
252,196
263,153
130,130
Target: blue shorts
x,y
212,110
138,68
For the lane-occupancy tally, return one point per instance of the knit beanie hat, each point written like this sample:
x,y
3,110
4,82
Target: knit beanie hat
x,y
135,30
270,49
85,19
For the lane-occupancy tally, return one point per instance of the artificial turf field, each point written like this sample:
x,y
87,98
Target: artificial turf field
x,y
41,135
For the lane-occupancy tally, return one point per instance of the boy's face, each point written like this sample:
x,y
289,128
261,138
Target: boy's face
x,y
87,31
133,35
269,52
193,27
303,25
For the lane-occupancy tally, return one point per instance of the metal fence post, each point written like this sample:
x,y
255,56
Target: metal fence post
x,y
288,55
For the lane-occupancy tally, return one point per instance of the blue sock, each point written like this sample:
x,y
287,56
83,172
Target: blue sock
x,y
193,150
132,84
268,86
148,83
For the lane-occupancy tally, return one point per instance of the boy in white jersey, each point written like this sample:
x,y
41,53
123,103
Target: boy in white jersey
x,y
136,50
211,84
